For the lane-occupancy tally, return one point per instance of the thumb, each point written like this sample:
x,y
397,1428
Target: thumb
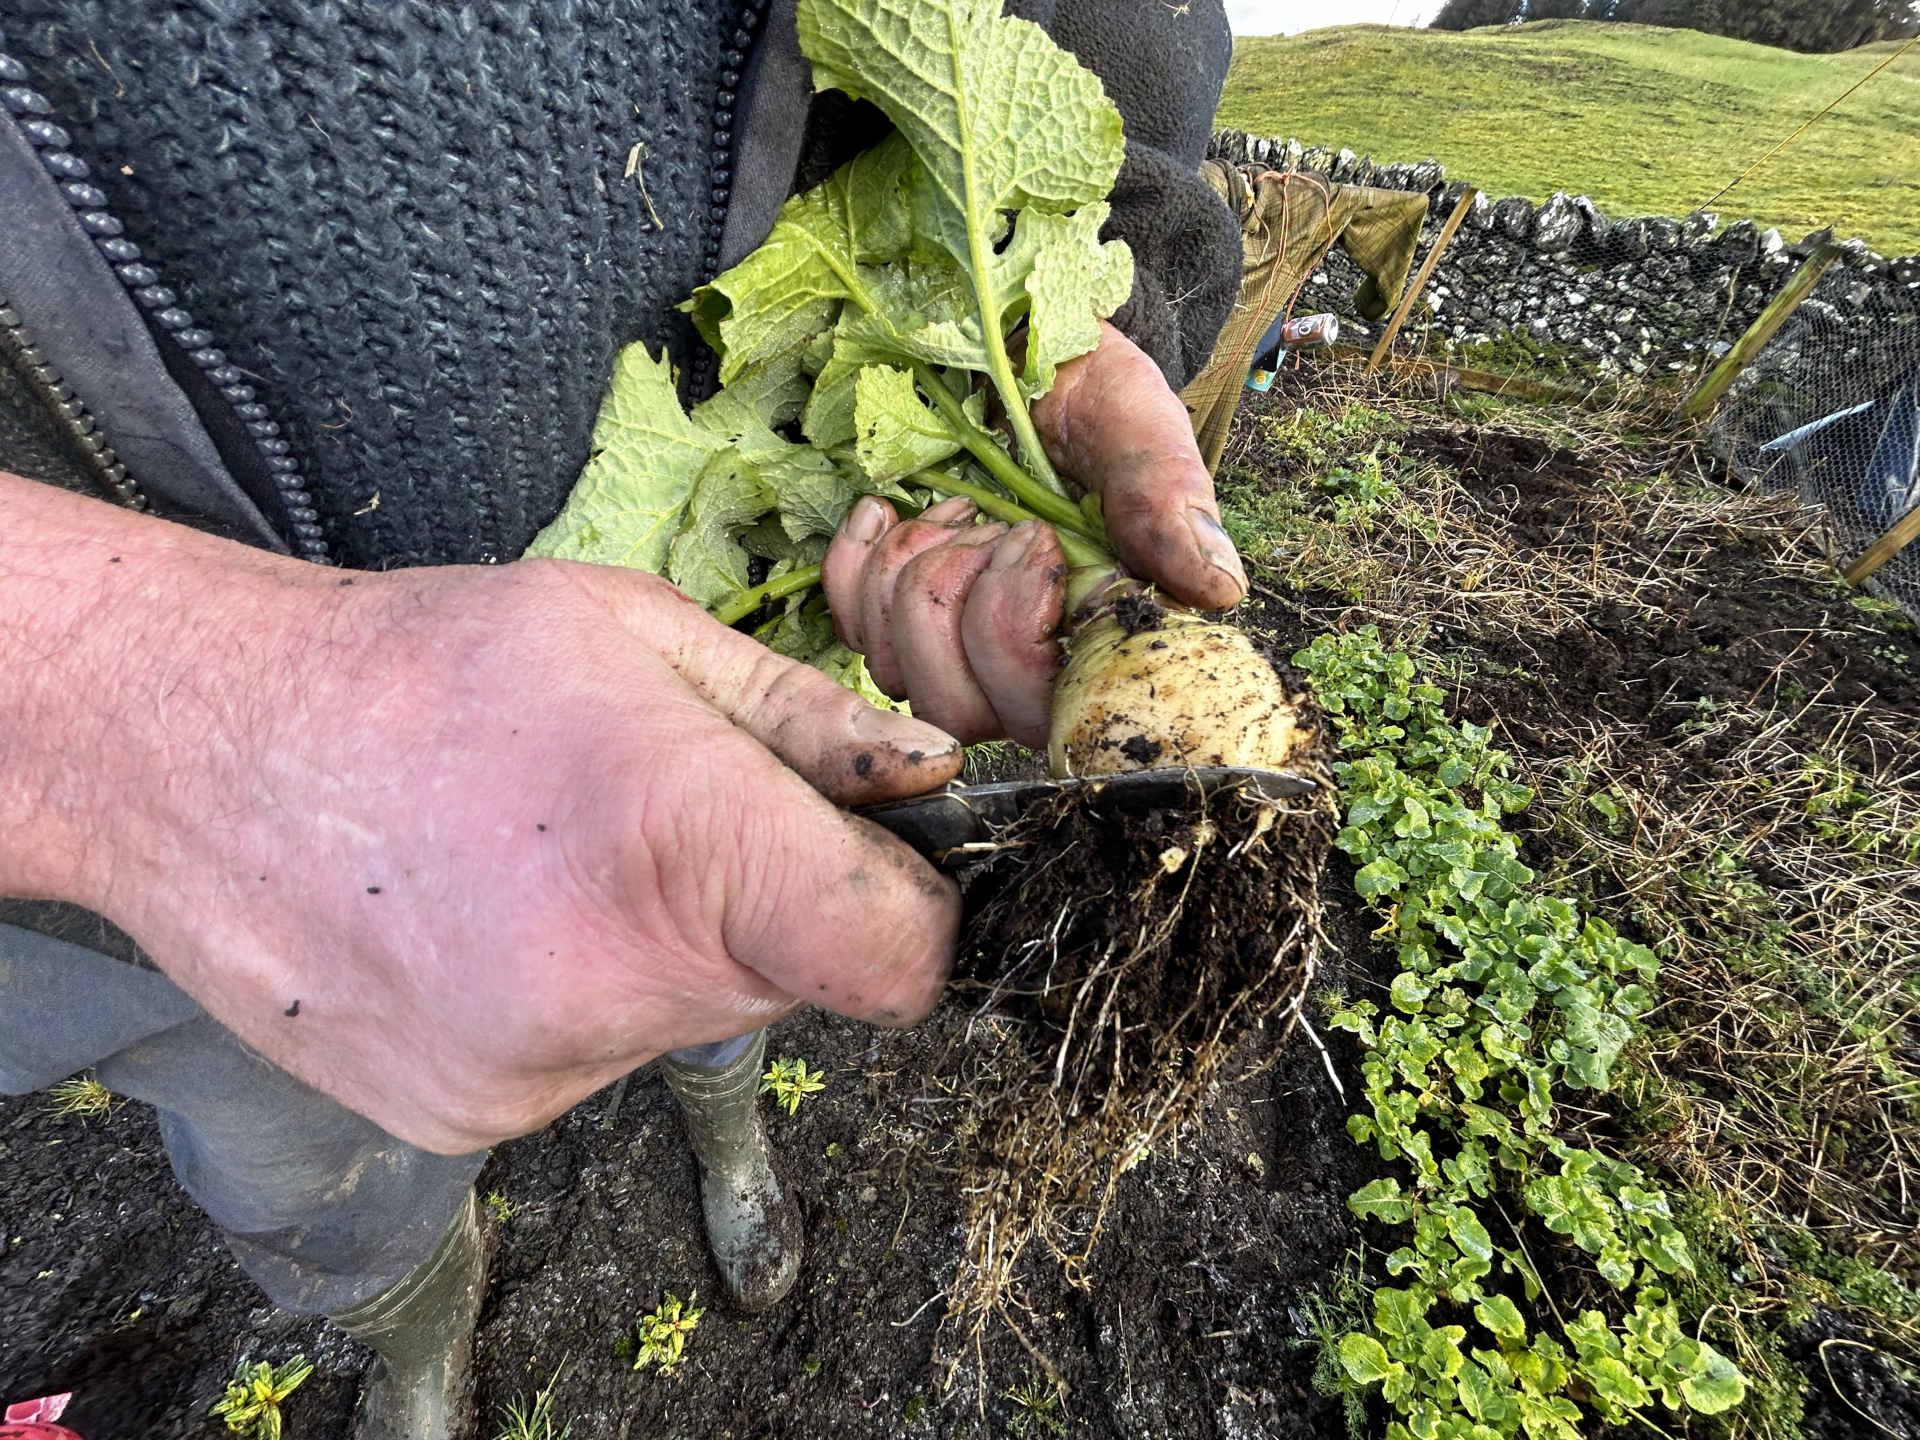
x,y
1113,425
851,752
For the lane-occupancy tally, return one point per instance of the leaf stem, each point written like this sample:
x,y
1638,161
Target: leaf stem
x,y
1079,551
1047,503
778,588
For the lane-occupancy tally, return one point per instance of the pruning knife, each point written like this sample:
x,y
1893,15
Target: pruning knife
x,y
959,824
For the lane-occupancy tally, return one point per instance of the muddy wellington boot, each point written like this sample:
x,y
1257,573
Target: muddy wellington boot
x,y
753,1225
422,1330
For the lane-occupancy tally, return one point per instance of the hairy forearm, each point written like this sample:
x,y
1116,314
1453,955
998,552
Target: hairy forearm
x,y
137,668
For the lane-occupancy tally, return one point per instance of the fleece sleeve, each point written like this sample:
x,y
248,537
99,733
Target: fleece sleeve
x,y
1163,65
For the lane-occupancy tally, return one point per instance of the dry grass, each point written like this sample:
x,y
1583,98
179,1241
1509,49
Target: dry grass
x,y
81,1098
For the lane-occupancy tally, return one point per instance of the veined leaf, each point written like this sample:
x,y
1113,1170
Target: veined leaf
x,y
895,433
1073,279
705,560
632,498
790,289
999,116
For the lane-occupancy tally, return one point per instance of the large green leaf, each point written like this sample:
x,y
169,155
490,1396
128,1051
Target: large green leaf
x,y
896,435
999,116
1067,280
790,289
1000,120
705,560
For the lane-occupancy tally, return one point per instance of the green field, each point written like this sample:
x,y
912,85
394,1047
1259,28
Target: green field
x,y
1646,121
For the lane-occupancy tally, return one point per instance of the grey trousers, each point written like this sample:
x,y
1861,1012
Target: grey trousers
x,y
322,1207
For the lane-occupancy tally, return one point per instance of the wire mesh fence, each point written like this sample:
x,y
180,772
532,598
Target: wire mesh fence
x,y
1831,409
1562,292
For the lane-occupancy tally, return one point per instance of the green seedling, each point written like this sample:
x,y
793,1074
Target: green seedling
x,y
789,1081
533,1419
81,1098
663,1334
251,1406
1033,1402
501,1208
1507,997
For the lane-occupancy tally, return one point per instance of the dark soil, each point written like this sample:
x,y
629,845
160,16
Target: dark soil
x,y
1192,1322
1737,633
1196,1315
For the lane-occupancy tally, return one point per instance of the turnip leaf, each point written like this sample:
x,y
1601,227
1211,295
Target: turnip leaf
x,y
904,273
896,435
999,116
632,498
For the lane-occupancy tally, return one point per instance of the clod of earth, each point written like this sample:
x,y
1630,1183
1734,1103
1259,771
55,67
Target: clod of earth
x,y
1114,962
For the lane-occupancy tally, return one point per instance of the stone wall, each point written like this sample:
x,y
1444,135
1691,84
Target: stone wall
x,y
1562,288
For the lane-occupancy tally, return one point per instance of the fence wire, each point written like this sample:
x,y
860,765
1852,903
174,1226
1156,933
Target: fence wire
x,y
1831,409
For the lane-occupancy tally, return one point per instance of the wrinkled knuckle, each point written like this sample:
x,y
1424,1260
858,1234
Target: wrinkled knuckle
x,y
788,694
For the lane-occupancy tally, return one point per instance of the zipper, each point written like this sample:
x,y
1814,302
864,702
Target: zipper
x,y
16,342
753,14
142,281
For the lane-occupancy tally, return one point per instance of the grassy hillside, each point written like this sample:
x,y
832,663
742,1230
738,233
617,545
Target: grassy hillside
x,y
1646,121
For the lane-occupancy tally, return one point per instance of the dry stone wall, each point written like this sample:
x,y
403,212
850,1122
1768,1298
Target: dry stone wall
x,y
1562,288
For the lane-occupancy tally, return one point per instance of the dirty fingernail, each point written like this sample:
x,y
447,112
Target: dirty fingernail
x,y
1014,550
1215,544
901,732
867,522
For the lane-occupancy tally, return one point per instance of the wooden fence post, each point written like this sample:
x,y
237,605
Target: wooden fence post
x,y
1899,535
1420,281
1798,287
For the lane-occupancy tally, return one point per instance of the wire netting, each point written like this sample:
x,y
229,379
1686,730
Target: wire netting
x,y
1831,409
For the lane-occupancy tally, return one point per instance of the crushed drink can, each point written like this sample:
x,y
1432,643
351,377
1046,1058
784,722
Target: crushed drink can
x,y
1310,330
33,1419
1282,337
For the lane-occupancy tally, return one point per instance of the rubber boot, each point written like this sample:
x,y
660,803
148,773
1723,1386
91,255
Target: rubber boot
x,y
753,1225
422,1330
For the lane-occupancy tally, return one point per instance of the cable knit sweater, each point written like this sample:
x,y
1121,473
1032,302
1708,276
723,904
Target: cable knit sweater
x,y
401,240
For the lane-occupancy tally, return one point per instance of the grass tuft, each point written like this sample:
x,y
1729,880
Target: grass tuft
x,y
80,1098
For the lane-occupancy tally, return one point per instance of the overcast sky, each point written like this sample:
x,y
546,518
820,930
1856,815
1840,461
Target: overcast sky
x,y
1288,17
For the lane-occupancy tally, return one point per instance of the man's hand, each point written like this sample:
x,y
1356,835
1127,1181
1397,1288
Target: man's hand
x,y
455,846
960,617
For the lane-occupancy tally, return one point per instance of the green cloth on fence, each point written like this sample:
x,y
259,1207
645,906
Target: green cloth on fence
x,y
1288,223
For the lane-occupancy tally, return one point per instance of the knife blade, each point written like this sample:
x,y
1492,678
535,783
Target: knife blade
x,y
959,823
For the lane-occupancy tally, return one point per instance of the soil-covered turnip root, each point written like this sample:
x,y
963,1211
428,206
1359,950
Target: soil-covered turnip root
x,y
1118,964
1149,684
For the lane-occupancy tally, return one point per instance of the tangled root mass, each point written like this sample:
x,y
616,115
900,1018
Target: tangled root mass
x,y
1113,963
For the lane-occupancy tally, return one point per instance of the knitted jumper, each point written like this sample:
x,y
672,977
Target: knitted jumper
x,y
411,221
415,233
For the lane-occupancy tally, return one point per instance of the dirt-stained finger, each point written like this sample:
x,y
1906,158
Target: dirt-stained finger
x,y
841,914
844,567
884,562
929,603
850,751
1112,423
1009,626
